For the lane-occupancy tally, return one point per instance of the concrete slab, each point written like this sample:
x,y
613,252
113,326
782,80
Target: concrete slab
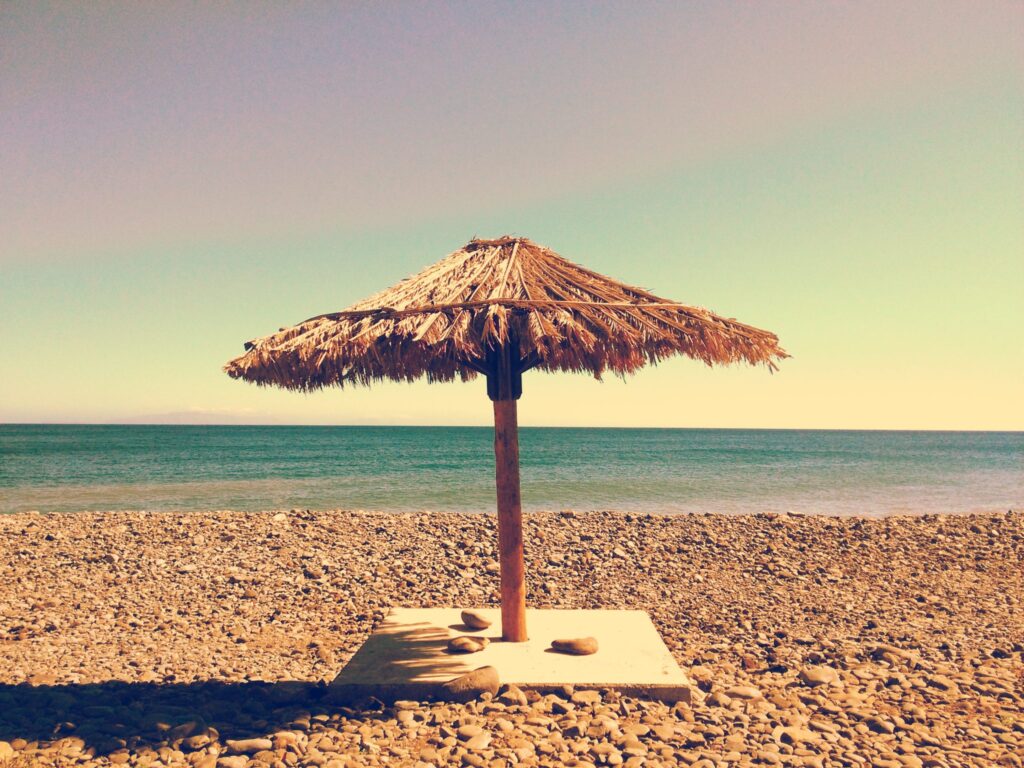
x,y
406,657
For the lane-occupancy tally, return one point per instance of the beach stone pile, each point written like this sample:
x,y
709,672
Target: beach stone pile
x,y
208,639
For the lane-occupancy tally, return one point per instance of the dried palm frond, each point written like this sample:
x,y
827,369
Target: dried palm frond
x,y
442,322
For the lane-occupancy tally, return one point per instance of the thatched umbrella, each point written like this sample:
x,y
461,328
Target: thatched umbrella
x,y
499,308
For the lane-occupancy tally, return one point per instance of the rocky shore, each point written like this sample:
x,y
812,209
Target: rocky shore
x,y
207,639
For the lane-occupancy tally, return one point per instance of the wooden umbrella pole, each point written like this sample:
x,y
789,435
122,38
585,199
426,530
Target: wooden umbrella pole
x,y
504,384
510,522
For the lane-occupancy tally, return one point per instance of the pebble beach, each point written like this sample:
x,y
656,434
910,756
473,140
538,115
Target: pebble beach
x,y
209,639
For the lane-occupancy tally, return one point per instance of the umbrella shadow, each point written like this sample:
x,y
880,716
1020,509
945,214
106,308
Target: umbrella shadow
x,y
113,714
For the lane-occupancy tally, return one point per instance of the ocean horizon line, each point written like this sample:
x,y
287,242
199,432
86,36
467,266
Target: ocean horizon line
x,y
382,425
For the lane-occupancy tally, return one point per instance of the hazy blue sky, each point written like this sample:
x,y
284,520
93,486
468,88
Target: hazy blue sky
x,y
177,178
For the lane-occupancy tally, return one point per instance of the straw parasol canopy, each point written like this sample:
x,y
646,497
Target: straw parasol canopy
x,y
499,308
444,322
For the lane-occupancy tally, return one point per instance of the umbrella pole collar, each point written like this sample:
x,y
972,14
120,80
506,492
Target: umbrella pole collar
x,y
504,372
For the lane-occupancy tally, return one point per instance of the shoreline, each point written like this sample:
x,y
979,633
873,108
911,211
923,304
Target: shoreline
x,y
917,622
898,514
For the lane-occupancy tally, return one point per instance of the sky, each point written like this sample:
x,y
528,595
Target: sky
x,y
177,178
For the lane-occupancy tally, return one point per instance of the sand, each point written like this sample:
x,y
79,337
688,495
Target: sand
x,y
207,639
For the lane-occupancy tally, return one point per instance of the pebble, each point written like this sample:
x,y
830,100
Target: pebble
x,y
514,696
577,646
475,620
815,676
479,742
467,732
246,746
471,685
747,692
586,697
467,644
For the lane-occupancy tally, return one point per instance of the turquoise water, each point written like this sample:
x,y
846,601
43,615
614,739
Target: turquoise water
x,y
73,468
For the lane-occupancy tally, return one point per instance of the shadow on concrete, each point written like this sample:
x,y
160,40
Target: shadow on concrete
x,y
466,629
399,662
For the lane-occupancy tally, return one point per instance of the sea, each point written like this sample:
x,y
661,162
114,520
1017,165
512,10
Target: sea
x,y
70,468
